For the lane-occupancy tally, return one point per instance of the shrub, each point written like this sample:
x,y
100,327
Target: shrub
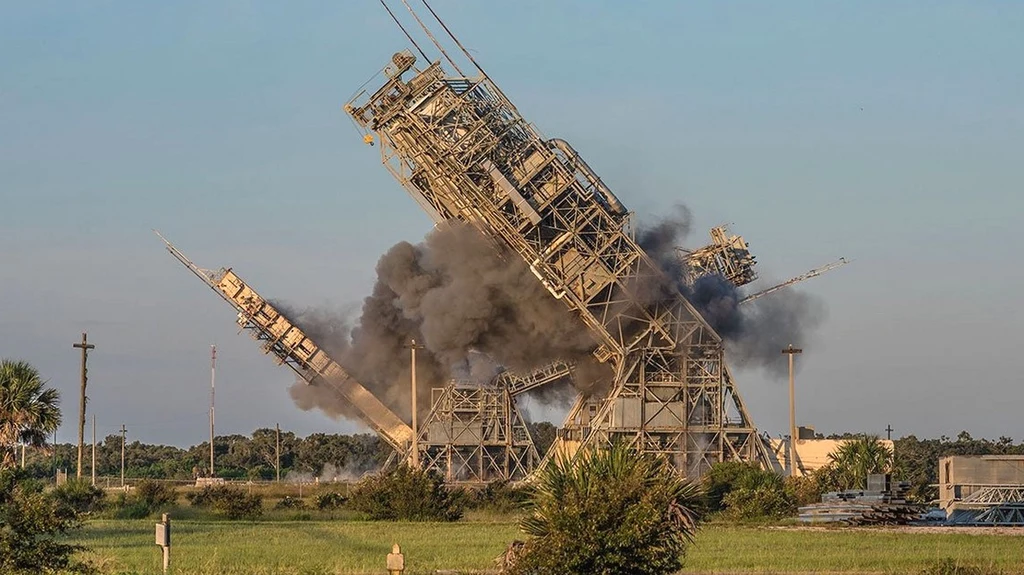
x,y
125,507
609,511
759,502
290,503
803,490
330,500
500,497
744,491
407,494
723,478
33,526
133,510
79,495
949,566
228,501
155,494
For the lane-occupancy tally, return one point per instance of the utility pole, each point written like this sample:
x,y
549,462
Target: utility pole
x,y
124,435
85,346
278,451
888,431
213,381
94,450
791,351
415,430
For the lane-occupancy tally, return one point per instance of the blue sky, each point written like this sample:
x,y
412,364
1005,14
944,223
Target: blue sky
x,y
887,132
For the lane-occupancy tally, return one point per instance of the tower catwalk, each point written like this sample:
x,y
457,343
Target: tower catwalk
x,y
464,153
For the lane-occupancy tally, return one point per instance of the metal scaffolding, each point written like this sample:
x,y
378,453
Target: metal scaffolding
x,y
476,434
726,256
990,505
464,153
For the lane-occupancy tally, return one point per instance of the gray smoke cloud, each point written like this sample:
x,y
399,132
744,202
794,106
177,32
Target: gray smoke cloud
x,y
754,332
473,309
771,323
476,311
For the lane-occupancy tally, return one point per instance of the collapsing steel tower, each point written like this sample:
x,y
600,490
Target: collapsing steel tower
x,y
291,346
464,153
473,434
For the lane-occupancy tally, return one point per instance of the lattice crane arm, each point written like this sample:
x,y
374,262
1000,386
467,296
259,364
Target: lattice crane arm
x,y
209,277
811,274
520,384
291,346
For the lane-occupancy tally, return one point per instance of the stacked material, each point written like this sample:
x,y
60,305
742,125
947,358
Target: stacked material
x,y
862,508
990,505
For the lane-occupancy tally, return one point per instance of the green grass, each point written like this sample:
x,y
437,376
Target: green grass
x,y
357,547
792,550
306,547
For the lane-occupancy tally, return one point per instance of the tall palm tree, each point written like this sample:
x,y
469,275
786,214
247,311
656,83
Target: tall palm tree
x,y
29,412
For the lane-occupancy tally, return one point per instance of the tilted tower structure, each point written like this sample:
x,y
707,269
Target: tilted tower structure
x,y
472,434
291,346
465,154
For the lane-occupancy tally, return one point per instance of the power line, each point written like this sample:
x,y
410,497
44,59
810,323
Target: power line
x,y
404,31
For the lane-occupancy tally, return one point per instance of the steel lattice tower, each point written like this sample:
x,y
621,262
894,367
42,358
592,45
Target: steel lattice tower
x,y
465,154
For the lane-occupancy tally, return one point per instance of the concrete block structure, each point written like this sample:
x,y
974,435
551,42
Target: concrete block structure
x,y
964,476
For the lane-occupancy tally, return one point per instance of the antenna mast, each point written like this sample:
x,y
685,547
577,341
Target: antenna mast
x,y
213,387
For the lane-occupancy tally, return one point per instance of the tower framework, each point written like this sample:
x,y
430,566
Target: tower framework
x,y
465,154
476,434
291,346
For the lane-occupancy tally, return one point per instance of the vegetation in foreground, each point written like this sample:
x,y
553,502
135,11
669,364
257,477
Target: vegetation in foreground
x,y
359,547
407,494
643,512
608,511
33,525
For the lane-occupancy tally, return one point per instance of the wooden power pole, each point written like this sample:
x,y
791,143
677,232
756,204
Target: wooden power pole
x,y
277,426
85,346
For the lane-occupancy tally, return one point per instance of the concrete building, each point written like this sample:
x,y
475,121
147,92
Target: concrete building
x,y
962,475
811,454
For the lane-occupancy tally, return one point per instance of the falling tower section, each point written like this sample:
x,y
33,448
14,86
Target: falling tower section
x,y
291,346
465,154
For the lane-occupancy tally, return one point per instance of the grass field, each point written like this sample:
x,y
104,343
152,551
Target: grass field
x,y
356,547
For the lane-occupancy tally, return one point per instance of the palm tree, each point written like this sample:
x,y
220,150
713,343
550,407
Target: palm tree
x,y
29,412
608,511
855,459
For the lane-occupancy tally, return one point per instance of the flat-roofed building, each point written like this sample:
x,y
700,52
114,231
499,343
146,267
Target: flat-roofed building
x,y
962,475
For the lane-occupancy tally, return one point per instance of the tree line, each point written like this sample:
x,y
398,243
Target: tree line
x,y
917,460
253,457
349,456
29,413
